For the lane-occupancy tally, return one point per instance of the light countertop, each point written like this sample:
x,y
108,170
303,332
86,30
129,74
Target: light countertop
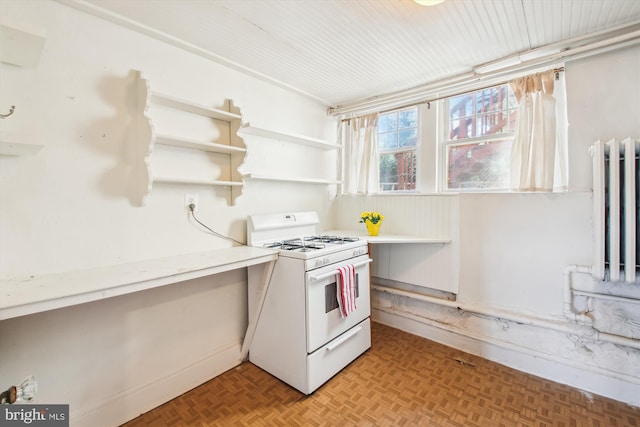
x,y
384,237
33,294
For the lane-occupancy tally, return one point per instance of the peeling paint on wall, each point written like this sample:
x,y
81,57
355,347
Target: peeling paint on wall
x,y
576,347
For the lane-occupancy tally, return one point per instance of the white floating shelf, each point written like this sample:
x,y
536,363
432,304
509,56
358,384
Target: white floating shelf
x,y
177,141
290,179
21,46
202,110
198,181
288,137
18,148
383,237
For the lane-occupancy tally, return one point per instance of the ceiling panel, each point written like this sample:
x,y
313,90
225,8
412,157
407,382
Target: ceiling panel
x,y
338,51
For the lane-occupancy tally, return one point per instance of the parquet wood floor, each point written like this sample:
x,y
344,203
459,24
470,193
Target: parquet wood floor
x,y
403,380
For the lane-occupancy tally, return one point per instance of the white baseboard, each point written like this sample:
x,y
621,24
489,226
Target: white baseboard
x,y
588,380
135,401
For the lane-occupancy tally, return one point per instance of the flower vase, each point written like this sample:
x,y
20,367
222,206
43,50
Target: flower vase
x,y
372,228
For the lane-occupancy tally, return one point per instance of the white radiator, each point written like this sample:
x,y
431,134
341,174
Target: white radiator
x,y
615,210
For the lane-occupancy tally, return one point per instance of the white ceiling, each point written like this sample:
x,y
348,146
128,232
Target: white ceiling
x,y
338,51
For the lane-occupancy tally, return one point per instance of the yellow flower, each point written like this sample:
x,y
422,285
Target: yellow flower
x,y
372,217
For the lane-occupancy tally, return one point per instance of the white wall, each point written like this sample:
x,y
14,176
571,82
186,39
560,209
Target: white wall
x,y
66,208
515,247
68,203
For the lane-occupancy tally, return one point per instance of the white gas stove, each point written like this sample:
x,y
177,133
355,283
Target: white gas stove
x,y
295,236
301,337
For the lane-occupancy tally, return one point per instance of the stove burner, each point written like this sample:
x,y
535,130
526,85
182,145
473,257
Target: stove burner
x,y
295,245
331,239
309,244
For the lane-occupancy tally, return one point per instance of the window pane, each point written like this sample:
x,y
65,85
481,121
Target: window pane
x,y
492,99
408,118
479,166
387,141
388,172
408,137
398,171
491,124
461,105
462,128
388,122
486,112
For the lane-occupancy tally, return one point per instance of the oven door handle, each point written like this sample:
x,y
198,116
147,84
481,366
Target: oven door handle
x,y
334,272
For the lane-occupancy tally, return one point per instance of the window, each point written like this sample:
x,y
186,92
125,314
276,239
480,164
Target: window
x,y
397,144
480,131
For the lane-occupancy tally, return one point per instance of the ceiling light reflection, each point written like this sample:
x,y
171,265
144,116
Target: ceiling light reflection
x,y
428,2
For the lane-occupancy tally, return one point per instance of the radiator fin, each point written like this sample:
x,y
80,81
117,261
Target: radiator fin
x,y
615,201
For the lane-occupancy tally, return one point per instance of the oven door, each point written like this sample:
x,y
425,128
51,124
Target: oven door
x,y
324,320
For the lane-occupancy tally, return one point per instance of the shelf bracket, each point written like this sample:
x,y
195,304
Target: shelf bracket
x,y
11,110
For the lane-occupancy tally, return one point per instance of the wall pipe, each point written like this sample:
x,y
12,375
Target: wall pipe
x,y
490,312
567,310
617,298
581,319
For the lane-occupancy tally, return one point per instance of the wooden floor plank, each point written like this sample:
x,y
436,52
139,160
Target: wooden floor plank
x,y
403,380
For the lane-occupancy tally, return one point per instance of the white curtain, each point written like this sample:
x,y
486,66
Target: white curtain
x,y
360,143
539,151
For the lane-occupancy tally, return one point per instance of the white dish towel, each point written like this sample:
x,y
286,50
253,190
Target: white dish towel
x,y
347,289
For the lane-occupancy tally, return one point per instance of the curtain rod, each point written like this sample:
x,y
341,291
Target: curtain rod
x,y
428,101
556,70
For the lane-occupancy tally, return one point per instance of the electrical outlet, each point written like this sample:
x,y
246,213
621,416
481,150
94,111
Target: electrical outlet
x,y
190,199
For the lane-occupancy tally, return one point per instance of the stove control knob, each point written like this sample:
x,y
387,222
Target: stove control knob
x,y
321,261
